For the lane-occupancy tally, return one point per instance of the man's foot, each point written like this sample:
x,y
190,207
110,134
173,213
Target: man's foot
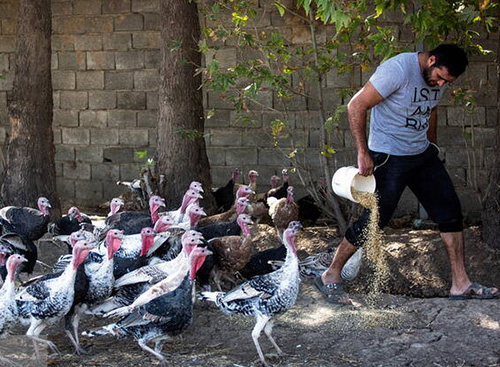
x,y
334,292
476,291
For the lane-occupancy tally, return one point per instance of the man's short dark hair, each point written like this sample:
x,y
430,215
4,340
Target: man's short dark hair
x,y
452,57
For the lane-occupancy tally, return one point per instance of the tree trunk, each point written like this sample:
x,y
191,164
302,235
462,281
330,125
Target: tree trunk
x,y
491,203
181,148
30,170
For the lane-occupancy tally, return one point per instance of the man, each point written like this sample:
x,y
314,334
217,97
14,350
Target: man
x,y
401,151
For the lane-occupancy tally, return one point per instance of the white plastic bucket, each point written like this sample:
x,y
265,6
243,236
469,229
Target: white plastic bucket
x,y
347,178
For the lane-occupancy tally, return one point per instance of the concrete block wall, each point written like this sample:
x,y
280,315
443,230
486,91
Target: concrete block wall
x,y
105,79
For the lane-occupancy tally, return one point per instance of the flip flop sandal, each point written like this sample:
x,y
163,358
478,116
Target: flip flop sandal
x,y
475,291
333,292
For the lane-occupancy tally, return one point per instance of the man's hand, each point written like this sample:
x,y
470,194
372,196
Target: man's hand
x,y
365,164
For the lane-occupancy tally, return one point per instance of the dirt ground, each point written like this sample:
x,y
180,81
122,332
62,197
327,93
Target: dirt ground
x,y
411,324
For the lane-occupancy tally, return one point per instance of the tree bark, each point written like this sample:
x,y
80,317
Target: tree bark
x,y
491,203
181,150
30,169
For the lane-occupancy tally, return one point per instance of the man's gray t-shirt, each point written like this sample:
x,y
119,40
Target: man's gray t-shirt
x,y
399,124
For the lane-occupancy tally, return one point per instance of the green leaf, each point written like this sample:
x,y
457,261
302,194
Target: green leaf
x,y
281,8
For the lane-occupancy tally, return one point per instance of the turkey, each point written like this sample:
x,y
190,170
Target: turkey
x,y
264,296
191,196
160,270
132,222
115,206
231,253
132,284
136,249
22,245
47,301
238,208
28,222
163,317
69,223
8,308
98,278
164,223
283,211
315,265
5,251
280,191
224,196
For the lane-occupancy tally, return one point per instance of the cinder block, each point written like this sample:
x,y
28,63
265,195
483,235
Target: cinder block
x,y
64,153
56,97
116,6
117,41
63,80
65,188
272,157
221,118
105,172
153,137
7,10
63,42
6,82
147,119
119,80
122,118
100,60
54,62
225,137
59,169
57,135
102,100
129,22
90,154
151,22
75,136
241,156
68,25
250,120
93,119
216,156
76,171
130,172
90,80
8,26
146,79
88,42
152,100
136,137
74,100
99,24
129,60
152,59
131,100
105,137
88,190
67,118
145,6
144,40
4,62
112,190
256,138
72,60
118,155
87,7
61,8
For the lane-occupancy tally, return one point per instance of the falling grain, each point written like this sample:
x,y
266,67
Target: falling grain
x,y
373,240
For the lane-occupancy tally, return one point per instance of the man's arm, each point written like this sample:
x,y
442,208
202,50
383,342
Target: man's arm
x,y
432,131
357,109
